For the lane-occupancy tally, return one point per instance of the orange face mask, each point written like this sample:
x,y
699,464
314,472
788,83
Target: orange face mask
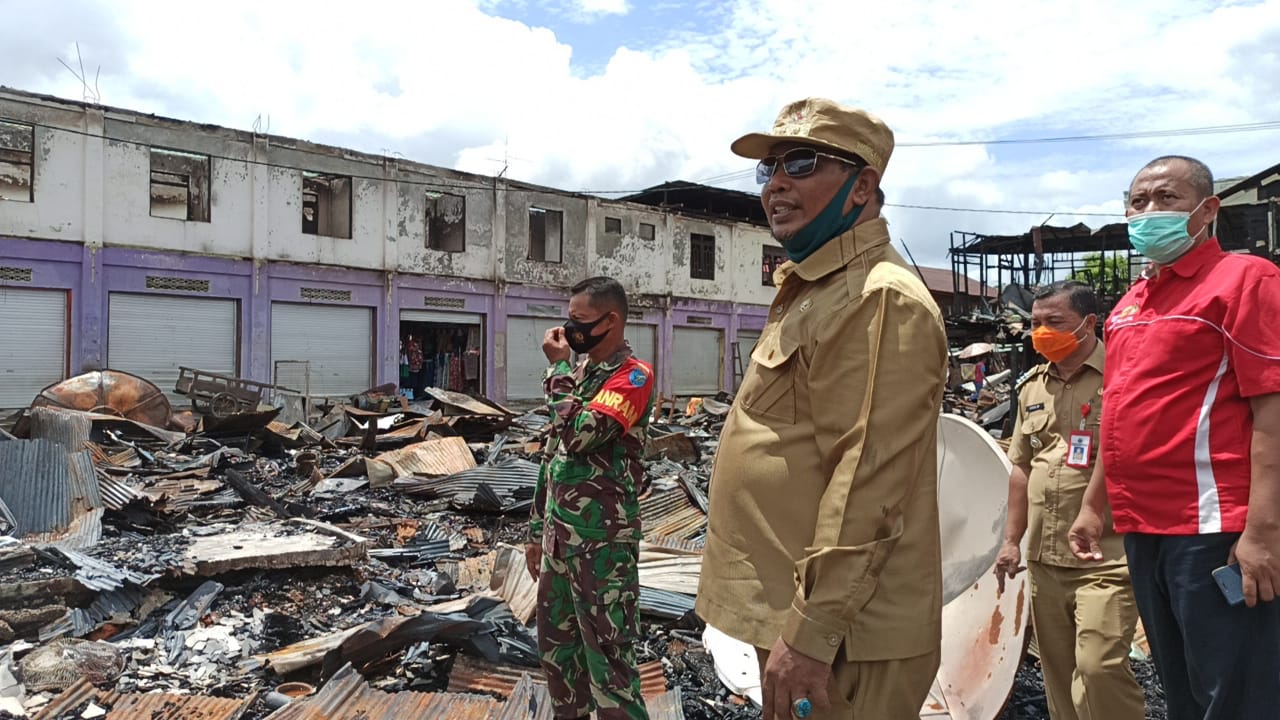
x,y
1055,345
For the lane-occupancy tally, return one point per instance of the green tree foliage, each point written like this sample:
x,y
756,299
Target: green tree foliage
x,y
1106,274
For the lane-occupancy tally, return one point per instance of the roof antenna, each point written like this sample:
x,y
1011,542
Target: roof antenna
x,y
90,95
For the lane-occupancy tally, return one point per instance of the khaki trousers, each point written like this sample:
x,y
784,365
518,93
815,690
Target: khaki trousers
x,y
1084,620
879,690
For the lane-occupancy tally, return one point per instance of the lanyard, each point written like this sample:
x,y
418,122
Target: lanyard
x,y
1085,410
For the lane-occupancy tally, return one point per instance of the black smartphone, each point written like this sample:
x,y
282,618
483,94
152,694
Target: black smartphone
x,y
1231,583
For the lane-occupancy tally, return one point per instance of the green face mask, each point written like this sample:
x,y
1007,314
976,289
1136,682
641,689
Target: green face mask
x,y
827,225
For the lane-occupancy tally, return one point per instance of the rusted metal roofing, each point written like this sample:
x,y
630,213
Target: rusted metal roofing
x,y
476,676
667,706
115,494
347,695
444,456
46,487
151,706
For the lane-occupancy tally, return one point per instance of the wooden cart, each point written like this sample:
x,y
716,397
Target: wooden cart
x,y
221,395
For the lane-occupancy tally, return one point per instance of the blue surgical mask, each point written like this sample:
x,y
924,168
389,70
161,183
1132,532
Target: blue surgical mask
x,y
1162,236
827,225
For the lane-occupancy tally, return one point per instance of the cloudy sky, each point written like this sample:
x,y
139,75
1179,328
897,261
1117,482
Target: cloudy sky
x,y
617,95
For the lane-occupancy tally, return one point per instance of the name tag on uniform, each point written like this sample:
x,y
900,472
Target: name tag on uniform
x,y
1079,449
1033,408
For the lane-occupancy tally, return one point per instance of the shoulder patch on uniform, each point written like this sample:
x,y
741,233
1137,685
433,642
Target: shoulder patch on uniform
x,y
1022,379
638,378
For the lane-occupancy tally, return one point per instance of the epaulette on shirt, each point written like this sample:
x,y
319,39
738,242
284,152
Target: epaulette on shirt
x,y
1022,380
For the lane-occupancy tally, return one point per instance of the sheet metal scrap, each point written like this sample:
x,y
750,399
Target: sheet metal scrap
x,y
150,706
347,695
46,486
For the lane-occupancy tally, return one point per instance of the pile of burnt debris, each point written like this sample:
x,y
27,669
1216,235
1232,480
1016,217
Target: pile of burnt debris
x,y
361,558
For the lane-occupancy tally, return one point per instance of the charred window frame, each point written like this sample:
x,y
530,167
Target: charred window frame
x,y
17,161
648,231
612,225
179,185
702,256
771,259
446,222
546,235
326,205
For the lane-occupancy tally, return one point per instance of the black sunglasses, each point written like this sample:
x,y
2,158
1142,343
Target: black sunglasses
x,y
796,162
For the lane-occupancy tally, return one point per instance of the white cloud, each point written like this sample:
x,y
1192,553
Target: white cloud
x,y
452,83
604,7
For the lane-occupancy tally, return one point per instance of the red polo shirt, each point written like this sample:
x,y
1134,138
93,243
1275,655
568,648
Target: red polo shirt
x,y
1186,349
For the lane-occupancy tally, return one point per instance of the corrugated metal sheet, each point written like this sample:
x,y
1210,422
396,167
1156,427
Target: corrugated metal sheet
x,y
505,486
84,532
46,488
444,456
470,675
115,494
667,706
348,696
513,583
665,604
152,706
96,574
65,427
528,701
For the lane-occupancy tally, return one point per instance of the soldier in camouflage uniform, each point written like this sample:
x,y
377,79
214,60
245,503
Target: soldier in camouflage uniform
x,y
585,526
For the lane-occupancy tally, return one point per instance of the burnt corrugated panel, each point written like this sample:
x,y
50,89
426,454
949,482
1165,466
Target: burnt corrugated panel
x,y
667,706
474,676
68,428
665,604
35,482
115,494
85,494
83,532
528,701
161,706
348,696
152,706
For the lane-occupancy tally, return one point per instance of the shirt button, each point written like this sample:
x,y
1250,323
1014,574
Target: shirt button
x,y
1068,386
833,640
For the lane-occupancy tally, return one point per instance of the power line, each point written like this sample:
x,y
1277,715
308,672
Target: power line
x,y
1177,132
1004,212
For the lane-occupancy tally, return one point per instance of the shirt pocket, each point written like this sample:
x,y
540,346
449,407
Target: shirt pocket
x,y
1037,427
771,389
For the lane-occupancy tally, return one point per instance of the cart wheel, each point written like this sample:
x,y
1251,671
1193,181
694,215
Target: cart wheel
x,y
223,404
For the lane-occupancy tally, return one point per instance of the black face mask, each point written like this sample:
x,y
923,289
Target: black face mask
x,y
580,337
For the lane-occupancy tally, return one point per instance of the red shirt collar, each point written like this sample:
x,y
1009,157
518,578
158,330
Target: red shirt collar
x,y
1188,265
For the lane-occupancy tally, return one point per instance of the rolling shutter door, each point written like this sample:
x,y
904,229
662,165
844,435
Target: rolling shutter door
x,y
337,341
33,343
152,336
698,360
525,361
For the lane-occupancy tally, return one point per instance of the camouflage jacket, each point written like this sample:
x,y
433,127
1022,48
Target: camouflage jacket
x,y
591,472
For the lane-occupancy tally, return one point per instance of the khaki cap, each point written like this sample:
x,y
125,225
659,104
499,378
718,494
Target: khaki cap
x,y
822,122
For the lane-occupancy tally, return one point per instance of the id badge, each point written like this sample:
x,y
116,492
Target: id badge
x,y
1080,449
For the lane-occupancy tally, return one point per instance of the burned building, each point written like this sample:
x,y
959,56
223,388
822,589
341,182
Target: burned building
x,y
145,244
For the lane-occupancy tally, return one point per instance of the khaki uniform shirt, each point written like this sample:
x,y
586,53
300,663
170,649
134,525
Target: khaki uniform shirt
x,y
824,515
1049,410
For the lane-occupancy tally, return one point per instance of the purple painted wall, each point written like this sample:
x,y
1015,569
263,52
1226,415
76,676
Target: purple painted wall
x,y
89,274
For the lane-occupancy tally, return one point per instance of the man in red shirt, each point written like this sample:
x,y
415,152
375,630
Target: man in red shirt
x,y
1190,444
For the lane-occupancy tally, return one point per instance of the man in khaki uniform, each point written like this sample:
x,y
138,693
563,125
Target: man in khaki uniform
x,y
823,546
1083,612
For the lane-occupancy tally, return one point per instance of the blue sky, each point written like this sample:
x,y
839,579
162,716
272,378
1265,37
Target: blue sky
x,y
624,94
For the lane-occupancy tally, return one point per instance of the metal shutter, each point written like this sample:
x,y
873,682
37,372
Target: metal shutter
x,y
151,336
698,360
644,341
336,340
33,343
525,361
441,318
